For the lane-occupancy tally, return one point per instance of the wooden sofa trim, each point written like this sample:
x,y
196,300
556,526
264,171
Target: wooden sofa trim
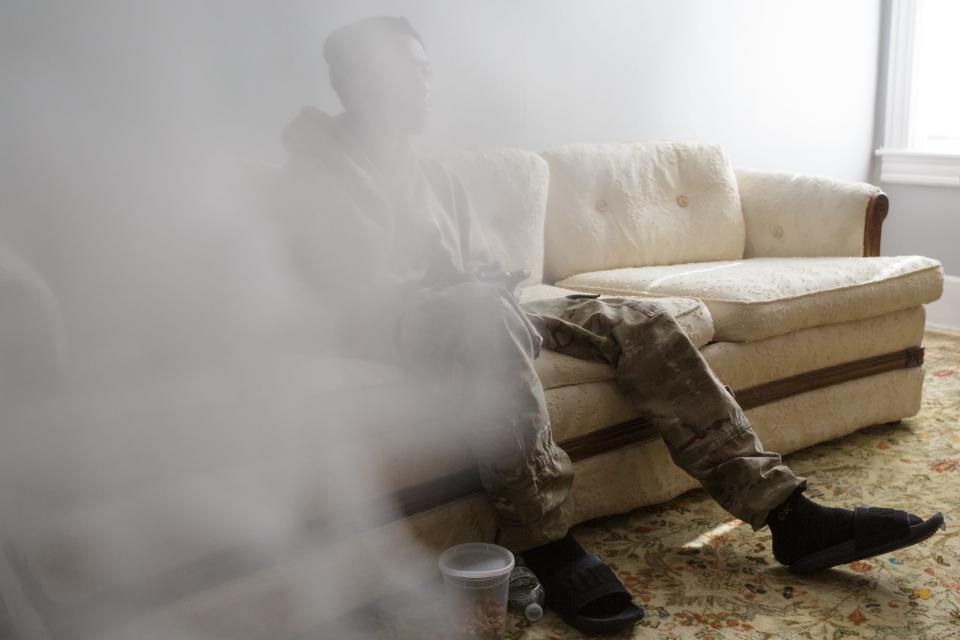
x,y
877,209
641,430
638,430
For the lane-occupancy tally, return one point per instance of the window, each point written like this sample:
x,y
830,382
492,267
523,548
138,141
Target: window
x,y
937,68
922,133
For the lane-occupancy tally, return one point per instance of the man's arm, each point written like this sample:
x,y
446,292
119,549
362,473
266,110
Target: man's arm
x,y
478,260
341,253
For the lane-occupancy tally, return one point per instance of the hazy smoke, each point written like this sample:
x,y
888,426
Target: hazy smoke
x,y
170,426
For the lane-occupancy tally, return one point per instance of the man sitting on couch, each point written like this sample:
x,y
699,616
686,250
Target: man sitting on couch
x,y
388,236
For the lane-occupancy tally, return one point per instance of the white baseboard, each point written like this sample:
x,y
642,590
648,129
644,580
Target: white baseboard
x,y
945,312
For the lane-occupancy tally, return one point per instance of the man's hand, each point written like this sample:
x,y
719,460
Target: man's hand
x,y
507,279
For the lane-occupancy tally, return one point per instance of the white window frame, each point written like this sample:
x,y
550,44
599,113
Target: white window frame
x,y
899,162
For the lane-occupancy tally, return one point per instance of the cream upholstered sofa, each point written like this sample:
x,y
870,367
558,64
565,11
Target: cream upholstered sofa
x,y
776,277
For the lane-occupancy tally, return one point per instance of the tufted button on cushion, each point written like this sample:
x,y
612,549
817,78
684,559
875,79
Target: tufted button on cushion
x,y
777,231
601,206
682,201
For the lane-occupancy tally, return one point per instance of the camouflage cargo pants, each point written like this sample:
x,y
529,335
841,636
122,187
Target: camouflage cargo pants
x,y
483,339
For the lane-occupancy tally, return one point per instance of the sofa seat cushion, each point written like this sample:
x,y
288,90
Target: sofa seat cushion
x,y
762,297
742,365
559,370
692,315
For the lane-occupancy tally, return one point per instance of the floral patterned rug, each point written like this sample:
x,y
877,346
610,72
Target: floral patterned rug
x,y
701,575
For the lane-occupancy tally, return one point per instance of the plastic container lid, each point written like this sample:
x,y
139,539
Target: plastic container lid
x,y
476,561
533,612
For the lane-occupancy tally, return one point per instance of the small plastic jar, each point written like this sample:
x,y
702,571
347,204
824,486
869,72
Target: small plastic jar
x,y
476,579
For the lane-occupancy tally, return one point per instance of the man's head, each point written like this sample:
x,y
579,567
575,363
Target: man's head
x,y
380,71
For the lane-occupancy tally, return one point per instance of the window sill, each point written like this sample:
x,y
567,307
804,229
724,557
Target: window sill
x,y
921,168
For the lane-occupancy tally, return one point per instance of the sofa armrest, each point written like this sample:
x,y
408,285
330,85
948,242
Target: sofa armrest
x,y
795,215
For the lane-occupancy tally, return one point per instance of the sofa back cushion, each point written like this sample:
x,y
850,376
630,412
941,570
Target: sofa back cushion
x,y
507,189
633,205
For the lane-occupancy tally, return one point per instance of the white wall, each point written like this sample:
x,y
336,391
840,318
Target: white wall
x,y
924,220
780,84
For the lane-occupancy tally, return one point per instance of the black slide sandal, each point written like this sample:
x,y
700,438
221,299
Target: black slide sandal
x,y
876,531
578,583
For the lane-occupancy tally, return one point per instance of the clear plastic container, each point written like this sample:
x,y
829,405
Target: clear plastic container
x,y
526,594
476,579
